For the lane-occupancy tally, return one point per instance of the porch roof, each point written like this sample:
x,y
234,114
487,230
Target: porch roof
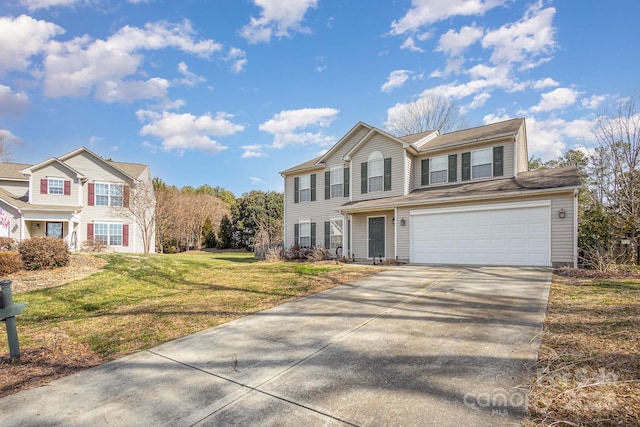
x,y
526,183
23,206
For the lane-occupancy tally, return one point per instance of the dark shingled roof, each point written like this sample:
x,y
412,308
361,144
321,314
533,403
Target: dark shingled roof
x,y
416,136
12,171
474,134
557,178
302,166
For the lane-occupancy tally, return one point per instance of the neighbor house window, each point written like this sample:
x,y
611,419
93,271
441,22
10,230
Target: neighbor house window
x,y
376,171
337,178
304,238
438,170
108,234
55,186
305,188
336,234
481,163
108,194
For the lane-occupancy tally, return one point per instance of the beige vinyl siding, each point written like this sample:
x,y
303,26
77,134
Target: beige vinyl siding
x,y
14,222
508,163
17,188
336,158
408,174
389,149
54,170
522,156
360,235
562,235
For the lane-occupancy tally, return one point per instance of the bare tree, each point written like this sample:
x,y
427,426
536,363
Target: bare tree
x,y
428,113
139,205
616,169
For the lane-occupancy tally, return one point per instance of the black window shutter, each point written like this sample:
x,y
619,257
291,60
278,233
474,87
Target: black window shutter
x,y
327,234
498,161
424,176
363,177
313,187
345,183
466,166
327,185
387,174
313,234
296,234
453,167
296,190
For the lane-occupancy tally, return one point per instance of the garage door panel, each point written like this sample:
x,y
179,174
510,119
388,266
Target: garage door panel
x,y
502,236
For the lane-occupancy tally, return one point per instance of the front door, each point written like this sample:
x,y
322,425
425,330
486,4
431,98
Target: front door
x,y
376,237
54,229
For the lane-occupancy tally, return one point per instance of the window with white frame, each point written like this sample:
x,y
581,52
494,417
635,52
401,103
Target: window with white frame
x,y
304,236
108,194
376,171
55,186
335,233
108,234
337,178
305,188
481,163
438,169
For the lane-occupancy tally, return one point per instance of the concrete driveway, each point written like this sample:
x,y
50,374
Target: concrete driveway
x,y
409,346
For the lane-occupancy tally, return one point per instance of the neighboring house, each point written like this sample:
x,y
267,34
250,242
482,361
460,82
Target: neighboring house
x,y
464,197
77,197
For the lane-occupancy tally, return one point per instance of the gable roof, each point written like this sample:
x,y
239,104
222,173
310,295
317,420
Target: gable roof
x,y
417,137
132,169
564,178
47,162
476,134
110,163
308,165
22,205
13,171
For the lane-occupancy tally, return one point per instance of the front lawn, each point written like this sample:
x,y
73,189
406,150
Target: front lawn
x,y
137,302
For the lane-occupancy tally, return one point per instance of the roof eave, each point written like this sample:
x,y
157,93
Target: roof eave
x,y
496,138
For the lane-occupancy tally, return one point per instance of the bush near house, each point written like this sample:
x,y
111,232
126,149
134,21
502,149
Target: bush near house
x,y
10,262
43,253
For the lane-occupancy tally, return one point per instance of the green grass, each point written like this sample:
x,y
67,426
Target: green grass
x,y
137,302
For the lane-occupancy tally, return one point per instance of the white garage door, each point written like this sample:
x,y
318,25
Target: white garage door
x,y
506,234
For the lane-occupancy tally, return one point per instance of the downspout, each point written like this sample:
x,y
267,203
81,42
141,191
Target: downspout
x,y
395,234
575,228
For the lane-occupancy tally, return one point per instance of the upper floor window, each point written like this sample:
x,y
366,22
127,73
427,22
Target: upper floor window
x,y
438,170
108,194
55,186
376,171
481,163
305,188
337,177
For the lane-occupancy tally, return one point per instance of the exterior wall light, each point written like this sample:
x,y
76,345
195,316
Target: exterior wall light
x,y
562,213
402,222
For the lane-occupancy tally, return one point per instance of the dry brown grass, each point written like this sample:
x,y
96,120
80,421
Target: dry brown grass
x,y
588,371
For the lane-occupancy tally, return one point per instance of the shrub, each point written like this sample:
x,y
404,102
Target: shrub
x,y
274,254
93,245
44,252
7,244
10,262
292,253
318,253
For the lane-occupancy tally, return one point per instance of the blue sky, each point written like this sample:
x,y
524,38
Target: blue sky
x,y
230,92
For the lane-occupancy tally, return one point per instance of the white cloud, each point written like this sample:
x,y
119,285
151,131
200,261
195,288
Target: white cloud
x,y
454,43
11,102
45,4
549,139
559,98
478,101
254,150
523,41
190,79
545,83
288,127
9,138
593,102
254,180
426,12
410,44
22,38
238,58
277,18
395,80
81,65
180,132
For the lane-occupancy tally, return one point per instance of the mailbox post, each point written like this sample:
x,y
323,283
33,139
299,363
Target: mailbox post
x,y
8,313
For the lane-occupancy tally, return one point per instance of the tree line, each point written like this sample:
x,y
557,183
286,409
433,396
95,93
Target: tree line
x,y
213,217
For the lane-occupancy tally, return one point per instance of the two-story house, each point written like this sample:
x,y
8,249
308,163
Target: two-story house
x,y
464,197
78,197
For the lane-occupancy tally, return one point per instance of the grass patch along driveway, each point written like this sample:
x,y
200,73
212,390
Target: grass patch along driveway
x,y
137,302
588,370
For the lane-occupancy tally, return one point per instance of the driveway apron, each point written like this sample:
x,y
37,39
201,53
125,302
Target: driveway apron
x,y
412,345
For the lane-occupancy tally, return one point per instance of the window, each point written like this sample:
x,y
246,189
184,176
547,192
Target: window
x,y
376,171
55,186
108,194
305,188
438,170
108,234
481,163
304,239
337,176
335,234
55,229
